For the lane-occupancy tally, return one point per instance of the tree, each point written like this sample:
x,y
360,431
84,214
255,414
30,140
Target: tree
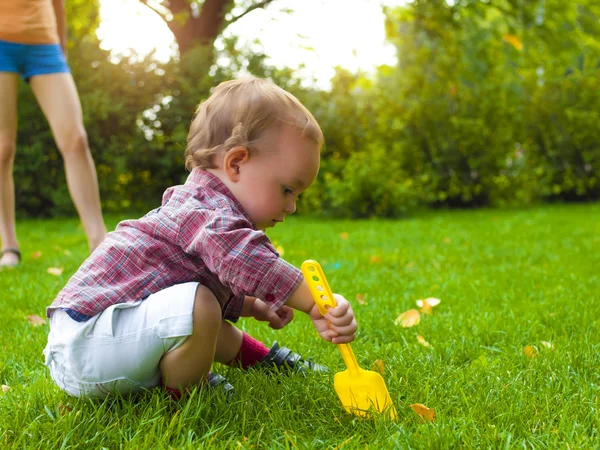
x,y
199,22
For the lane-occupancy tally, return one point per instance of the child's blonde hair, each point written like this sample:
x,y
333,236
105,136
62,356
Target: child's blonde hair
x,y
238,113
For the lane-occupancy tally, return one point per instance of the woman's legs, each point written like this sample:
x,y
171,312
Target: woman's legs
x,y
8,137
58,98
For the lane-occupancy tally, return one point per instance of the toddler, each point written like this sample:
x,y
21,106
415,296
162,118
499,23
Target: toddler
x,y
153,305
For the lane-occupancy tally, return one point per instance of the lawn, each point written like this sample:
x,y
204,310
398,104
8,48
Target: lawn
x,y
506,280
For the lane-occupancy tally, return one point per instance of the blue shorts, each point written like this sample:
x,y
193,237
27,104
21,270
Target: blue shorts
x,y
29,60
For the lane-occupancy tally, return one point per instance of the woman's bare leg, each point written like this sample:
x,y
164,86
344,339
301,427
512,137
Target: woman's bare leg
x,y
58,98
8,137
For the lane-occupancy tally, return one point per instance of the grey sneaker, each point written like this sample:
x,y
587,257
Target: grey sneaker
x,y
284,359
220,383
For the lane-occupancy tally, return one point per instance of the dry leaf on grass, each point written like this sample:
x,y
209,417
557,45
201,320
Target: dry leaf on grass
x,y
344,235
421,340
409,318
427,304
57,271
530,351
425,414
35,320
5,388
378,366
64,409
360,298
375,259
36,255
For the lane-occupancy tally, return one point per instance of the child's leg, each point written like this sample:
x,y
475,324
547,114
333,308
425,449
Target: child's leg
x,y
190,363
239,349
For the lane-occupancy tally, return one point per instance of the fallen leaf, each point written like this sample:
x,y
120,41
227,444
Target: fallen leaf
x,y
426,308
513,40
375,258
378,366
431,300
421,340
36,320
547,344
427,304
344,235
425,414
5,388
530,351
55,271
36,255
64,409
409,318
360,298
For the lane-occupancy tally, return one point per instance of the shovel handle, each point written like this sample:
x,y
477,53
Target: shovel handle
x,y
323,297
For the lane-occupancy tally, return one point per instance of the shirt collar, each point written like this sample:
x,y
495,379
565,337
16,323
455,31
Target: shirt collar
x,y
206,180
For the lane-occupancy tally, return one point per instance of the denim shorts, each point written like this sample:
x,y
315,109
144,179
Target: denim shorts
x,y
29,60
120,349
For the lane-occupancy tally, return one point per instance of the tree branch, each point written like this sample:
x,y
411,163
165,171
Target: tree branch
x,y
160,14
260,4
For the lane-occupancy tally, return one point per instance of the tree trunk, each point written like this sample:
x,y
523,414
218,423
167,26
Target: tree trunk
x,y
201,29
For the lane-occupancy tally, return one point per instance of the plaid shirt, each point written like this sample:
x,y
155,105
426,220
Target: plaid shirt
x,y
200,233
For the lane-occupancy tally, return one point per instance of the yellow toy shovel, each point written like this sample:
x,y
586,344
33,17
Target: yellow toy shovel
x,y
359,390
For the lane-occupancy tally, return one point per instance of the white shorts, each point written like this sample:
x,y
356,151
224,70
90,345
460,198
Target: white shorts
x,y
120,349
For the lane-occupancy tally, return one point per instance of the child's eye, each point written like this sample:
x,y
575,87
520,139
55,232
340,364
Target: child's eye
x,y
287,190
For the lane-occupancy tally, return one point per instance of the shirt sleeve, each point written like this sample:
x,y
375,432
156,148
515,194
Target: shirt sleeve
x,y
242,258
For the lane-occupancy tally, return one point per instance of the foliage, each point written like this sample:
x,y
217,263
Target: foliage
x,y
491,103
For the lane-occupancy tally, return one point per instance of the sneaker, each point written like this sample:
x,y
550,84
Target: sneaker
x,y
284,359
215,382
220,383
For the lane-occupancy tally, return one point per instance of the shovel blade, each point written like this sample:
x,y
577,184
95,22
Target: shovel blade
x,y
363,392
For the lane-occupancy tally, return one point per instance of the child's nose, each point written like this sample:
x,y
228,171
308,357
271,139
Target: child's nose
x,y
291,207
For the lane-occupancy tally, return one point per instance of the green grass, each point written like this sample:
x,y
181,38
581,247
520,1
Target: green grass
x,y
507,279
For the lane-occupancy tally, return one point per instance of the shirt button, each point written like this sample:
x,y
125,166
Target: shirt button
x,y
270,298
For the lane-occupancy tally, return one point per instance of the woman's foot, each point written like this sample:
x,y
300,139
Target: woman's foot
x,y
10,257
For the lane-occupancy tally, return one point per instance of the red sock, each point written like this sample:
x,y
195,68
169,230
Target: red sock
x,y
251,352
175,393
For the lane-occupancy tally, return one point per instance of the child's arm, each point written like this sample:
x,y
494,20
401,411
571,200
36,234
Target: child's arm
x,y
337,326
255,307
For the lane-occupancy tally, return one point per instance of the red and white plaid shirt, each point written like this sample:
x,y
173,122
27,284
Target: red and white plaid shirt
x,y
200,233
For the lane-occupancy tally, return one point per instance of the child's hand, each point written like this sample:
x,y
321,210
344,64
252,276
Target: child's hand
x,y
339,325
277,319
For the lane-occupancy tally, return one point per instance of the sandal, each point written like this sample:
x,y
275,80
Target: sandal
x,y
14,251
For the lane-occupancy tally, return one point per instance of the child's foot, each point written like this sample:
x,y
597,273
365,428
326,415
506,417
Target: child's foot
x,y
215,382
10,257
220,384
283,358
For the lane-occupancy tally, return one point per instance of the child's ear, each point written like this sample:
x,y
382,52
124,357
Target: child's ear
x,y
234,159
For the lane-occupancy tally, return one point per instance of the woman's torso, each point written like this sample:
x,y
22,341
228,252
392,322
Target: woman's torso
x,y
28,22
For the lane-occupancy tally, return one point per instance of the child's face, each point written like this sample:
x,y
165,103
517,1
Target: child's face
x,y
269,182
